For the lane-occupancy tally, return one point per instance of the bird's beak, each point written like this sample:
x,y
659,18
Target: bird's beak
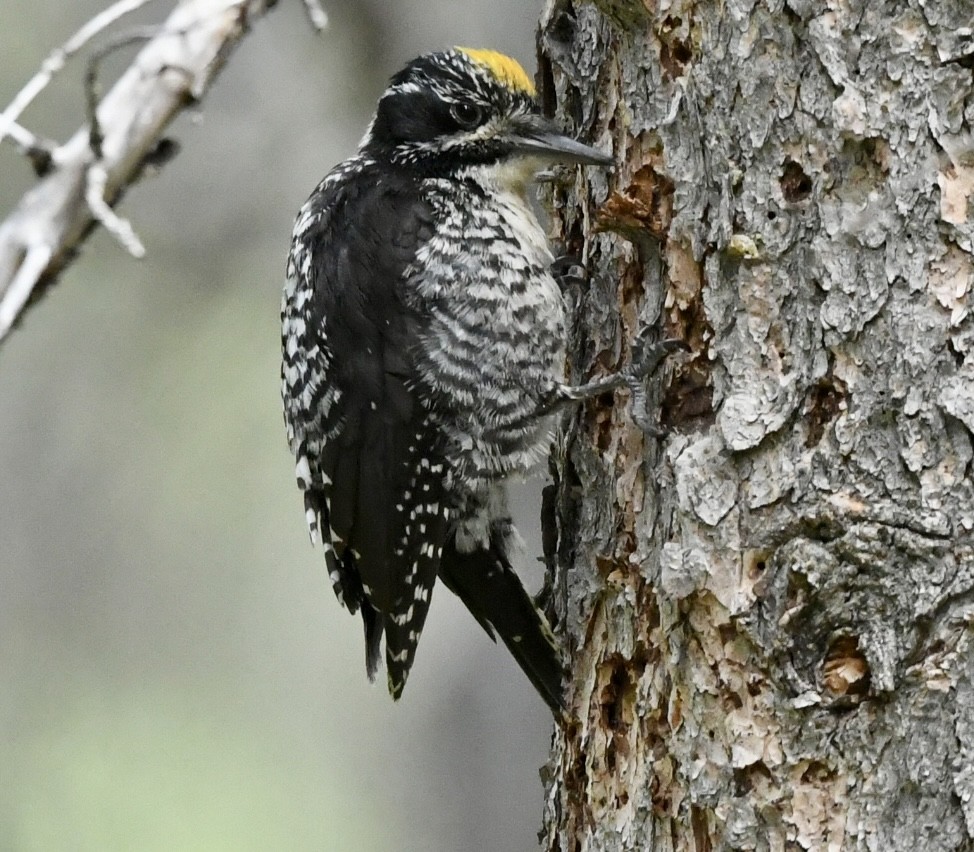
x,y
541,138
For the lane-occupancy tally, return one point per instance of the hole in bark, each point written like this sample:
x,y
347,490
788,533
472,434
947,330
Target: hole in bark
x,y
562,28
688,401
816,771
825,400
792,16
756,562
795,184
727,633
742,783
845,670
644,206
733,702
746,777
674,52
673,58
958,356
877,149
612,699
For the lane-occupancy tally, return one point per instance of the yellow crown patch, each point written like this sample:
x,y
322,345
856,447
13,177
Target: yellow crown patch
x,y
508,71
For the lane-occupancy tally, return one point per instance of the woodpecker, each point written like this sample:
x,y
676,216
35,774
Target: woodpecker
x,y
424,355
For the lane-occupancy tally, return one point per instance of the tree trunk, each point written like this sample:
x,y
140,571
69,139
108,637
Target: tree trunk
x,y
768,608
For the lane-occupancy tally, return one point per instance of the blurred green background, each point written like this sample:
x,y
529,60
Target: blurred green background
x,y
175,672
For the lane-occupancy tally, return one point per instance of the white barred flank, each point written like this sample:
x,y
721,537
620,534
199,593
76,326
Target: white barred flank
x,y
497,337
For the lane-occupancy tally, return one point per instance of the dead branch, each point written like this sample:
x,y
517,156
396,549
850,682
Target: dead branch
x,y
172,71
54,63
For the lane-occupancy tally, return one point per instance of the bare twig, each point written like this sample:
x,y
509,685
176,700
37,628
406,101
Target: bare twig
x,y
21,135
176,66
121,229
32,265
53,64
318,16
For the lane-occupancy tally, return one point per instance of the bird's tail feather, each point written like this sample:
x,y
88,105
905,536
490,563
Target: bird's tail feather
x,y
490,588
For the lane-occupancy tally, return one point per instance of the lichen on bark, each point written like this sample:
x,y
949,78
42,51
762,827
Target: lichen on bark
x,y
768,609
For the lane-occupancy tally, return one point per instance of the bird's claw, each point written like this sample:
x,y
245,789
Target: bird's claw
x,y
645,359
568,271
647,355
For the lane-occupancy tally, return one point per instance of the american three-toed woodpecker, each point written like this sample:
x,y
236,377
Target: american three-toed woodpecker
x,y
424,352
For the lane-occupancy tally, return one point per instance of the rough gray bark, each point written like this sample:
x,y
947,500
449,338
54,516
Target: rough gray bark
x,y
769,609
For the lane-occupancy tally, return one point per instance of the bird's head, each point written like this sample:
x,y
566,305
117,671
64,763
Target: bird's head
x,y
466,107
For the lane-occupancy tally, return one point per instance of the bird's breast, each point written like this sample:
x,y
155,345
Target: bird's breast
x,y
494,341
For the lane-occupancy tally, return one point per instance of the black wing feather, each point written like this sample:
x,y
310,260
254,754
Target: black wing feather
x,y
421,517
360,248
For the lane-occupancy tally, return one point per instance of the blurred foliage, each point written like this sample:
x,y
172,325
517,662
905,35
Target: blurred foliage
x,y
175,672
166,774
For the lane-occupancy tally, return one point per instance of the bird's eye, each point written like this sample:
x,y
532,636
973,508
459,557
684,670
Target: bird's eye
x,y
467,114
